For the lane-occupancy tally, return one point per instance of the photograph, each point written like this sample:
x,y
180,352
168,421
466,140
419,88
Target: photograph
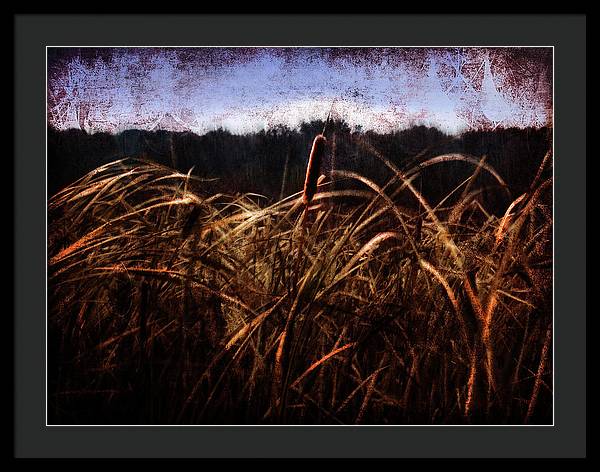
x,y
299,235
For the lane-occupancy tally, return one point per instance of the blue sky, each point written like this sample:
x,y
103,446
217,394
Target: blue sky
x,y
248,89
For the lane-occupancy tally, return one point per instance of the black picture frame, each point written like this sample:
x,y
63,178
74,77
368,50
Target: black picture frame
x,y
566,33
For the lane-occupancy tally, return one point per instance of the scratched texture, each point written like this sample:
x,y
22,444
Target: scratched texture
x,y
248,89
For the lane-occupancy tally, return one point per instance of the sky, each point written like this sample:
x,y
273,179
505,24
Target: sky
x,y
249,89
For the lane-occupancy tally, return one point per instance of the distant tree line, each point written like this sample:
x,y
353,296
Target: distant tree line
x,y
272,162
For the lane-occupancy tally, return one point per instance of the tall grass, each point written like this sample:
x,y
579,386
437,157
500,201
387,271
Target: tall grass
x,y
170,305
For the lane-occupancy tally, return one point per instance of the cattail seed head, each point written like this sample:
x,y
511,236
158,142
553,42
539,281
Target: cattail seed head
x,y
313,169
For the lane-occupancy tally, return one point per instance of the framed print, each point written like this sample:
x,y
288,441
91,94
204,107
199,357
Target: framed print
x,y
295,238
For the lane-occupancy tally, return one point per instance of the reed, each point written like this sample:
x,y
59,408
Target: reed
x,y
381,311
313,169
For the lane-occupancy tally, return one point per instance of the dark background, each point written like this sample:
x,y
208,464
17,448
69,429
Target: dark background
x,y
273,163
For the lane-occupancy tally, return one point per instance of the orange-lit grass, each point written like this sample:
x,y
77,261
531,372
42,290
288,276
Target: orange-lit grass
x,y
242,300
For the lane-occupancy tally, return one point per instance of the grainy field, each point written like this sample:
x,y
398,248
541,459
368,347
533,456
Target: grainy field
x,y
365,304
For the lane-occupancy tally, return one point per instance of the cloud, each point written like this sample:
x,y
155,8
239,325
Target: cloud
x,y
245,90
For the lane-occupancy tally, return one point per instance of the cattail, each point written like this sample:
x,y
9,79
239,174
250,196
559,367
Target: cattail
x,y
313,169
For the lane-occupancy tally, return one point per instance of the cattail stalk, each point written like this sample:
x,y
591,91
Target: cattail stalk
x,y
313,169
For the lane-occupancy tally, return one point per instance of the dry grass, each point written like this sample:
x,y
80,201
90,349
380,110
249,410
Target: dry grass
x,y
167,305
